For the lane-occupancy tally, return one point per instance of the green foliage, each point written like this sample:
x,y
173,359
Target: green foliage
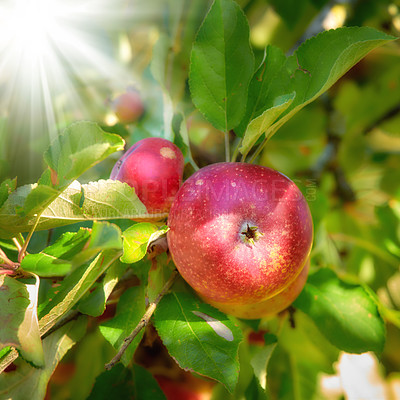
x,y
101,200
57,259
130,310
136,239
344,312
19,383
122,383
221,65
73,288
18,317
304,76
199,337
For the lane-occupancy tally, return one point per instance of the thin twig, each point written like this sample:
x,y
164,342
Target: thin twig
x,y
258,150
143,322
6,260
227,147
17,244
22,253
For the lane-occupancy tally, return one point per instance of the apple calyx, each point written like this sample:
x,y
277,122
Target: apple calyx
x,y
250,234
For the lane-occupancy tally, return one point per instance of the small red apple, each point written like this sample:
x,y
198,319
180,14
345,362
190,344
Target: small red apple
x,y
128,107
154,167
239,234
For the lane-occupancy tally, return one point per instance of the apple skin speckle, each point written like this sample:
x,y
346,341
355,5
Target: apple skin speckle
x,y
210,248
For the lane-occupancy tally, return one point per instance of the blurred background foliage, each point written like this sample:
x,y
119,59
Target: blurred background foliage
x,y
342,151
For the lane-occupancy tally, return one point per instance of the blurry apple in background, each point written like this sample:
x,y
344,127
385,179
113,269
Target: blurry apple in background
x,y
128,107
239,235
191,388
154,167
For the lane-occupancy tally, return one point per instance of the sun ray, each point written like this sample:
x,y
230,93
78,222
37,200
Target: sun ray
x,y
58,62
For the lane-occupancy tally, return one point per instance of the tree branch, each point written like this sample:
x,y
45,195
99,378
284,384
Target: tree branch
x,y
143,322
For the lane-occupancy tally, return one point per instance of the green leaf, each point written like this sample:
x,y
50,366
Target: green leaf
x,y
101,200
88,360
260,358
136,239
254,391
314,67
146,387
267,80
94,303
320,61
343,312
199,337
181,138
18,319
121,383
7,187
158,275
261,124
56,260
116,383
82,145
130,310
27,382
73,288
221,66
104,235
303,354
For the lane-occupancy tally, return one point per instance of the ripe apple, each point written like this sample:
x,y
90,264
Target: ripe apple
x,y
154,167
128,107
271,306
239,235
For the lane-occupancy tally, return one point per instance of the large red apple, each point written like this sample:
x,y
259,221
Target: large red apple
x,y
239,234
154,167
272,305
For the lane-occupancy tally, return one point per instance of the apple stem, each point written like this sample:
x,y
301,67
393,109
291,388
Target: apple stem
x,y
258,150
261,146
236,152
227,147
143,321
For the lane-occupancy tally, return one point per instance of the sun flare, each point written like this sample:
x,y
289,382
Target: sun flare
x,y
59,62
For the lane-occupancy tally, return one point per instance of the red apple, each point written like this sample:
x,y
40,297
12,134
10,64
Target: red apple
x,y
271,306
154,167
128,107
239,234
